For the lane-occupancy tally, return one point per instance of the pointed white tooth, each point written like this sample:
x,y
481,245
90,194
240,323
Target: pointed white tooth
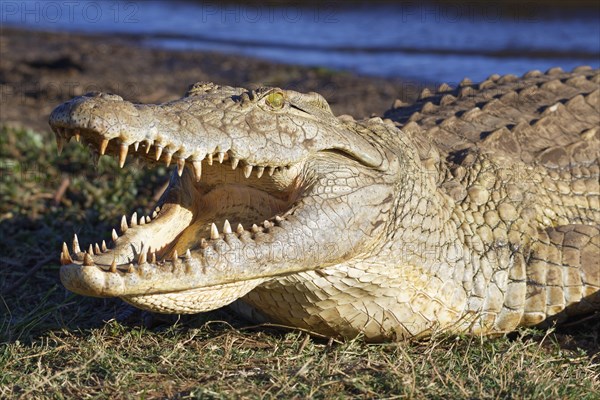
x,y
220,157
214,232
97,249
255,228
159,150
278,218
234,163
60,143
136,146
103,246
88,260
168,158
65,255
130,268
226,227
197,166
148,219
124,225
157,209
188,254
153,258
77,135
180,166
91,250
154,214
76,248
247,171
134,219
103,146
123,154
209,159
239,229
142,256
266,224
148,145
114,235
259,171
113,266
271,170
142,220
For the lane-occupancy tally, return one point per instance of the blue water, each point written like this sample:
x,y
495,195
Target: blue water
x,y
425,42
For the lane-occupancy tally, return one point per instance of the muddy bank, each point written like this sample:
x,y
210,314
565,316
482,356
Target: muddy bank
x,y
39,70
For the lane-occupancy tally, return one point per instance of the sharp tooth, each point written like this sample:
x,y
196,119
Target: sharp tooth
x,y
148,219
142,220
153,258
77,135
114,235
168,158
220,157
267,224
76,248
255,228
113,266
154,214
148,145
142,256
134,219
88,260
60,143
209,159
122,154
136,146
157,209
124,225
91,250
175,255
97,249
239,229
197,166
247,171
180,166
226,227
214,232
188,254
159,150
103,146
130,268
103,246
259,171
271,170
65,256
234,162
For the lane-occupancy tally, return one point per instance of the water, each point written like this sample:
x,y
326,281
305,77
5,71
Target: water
x,y
424,42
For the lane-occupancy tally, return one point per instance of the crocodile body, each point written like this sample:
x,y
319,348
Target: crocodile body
x,y
474,210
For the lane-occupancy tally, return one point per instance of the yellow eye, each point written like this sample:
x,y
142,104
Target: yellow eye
x,y
275,100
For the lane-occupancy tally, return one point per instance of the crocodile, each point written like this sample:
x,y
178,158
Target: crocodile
x,y
474,210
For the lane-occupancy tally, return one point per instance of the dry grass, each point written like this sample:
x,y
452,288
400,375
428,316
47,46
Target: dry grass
x,y
54,344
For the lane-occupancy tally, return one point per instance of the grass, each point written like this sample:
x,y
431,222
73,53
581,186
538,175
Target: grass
x,y
54,344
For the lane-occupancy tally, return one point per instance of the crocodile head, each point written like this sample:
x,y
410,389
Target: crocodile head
x,y
268,183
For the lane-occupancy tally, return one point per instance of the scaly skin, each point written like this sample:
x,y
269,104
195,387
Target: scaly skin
x,y
474,210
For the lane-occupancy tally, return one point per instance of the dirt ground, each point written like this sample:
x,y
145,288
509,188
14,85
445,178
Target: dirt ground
x,y
39,70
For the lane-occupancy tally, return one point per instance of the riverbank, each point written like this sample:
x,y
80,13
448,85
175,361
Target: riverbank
x,y
39,70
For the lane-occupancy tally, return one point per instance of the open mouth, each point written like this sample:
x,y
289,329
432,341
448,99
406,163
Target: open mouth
x,y
216,201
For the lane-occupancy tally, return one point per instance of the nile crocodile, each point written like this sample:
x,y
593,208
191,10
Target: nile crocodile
x,y
474,210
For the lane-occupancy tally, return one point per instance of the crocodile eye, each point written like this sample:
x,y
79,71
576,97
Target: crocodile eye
x,y
275,100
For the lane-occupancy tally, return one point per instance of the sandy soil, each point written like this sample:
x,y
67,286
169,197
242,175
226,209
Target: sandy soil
x,y
39,70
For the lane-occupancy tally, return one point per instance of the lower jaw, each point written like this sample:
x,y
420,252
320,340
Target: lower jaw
x,y
193,301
